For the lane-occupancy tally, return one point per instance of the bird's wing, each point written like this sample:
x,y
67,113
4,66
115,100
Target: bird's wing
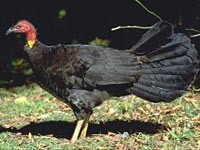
x,y
104,66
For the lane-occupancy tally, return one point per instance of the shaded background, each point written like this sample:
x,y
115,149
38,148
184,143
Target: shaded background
x,y
69,21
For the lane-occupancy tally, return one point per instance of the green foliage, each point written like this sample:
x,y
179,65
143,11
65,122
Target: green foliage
x,y
99,42
62,13
21,65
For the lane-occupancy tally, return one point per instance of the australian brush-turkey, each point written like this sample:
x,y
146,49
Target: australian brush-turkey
x,y
159,68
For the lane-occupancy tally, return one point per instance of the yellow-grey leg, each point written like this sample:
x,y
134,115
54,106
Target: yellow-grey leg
x,y
77,130
85,127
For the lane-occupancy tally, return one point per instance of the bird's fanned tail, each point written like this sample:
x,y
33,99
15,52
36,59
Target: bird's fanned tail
x,y
168,64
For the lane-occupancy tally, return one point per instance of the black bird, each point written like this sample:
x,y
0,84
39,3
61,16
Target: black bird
x,y
159,68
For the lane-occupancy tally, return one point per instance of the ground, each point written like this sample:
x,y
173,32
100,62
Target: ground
x,y
30,118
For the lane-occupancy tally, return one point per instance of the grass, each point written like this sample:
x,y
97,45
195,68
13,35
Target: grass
x,y
32,119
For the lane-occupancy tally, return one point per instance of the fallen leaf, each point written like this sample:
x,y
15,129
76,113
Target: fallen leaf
x,y
111,111
29,135
22,99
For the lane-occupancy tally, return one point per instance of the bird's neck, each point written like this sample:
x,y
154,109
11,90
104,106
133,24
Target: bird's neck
x,y
38,52
31,38
36,55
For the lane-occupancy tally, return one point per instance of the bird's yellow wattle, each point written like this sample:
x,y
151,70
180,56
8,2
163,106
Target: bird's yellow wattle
x,y
30,43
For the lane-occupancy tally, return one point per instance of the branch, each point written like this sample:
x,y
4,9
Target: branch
x,y
192,29
138,27
195,35
145,8
149,27
131,27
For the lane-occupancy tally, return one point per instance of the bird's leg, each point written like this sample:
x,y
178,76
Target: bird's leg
x,y
81,128
85,126
77,130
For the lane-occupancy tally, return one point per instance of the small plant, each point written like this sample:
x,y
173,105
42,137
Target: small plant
x,y
62,13
21,65
99,42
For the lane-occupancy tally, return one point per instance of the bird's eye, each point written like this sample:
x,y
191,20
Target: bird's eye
x,y
18,26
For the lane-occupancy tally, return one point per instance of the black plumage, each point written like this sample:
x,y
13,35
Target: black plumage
x,y
159,68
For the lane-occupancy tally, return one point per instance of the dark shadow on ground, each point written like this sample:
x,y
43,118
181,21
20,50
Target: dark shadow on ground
x,y
61,129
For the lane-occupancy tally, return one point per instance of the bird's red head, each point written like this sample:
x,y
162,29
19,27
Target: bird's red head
x,y
25,27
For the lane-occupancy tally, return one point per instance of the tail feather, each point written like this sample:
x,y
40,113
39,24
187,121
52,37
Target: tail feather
x,y
169,70
159,35
163,78
170,67
155,94
173,49
163,85
184,60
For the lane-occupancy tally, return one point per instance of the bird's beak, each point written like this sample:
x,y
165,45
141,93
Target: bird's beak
x,y
10,30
